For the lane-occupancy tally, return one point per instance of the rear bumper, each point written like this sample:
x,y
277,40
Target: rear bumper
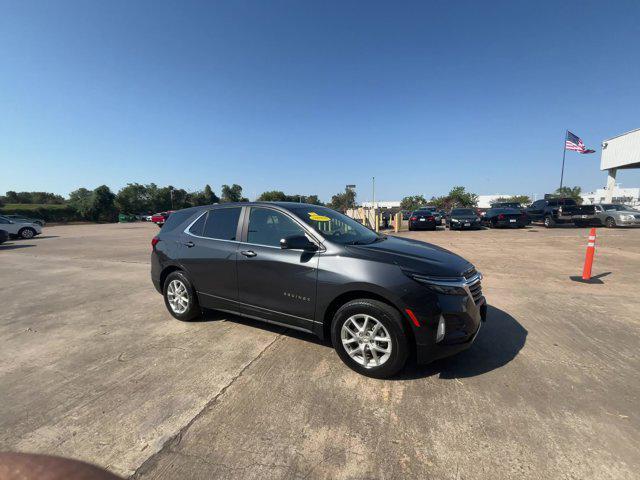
x,y
422,225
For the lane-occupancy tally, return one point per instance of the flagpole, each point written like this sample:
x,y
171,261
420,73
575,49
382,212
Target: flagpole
x,y
564,152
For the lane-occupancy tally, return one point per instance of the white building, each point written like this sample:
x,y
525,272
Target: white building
x,y
485,201
618,153
390,204
628,196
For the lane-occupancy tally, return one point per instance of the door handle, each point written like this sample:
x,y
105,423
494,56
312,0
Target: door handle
x,y
248,253
189,244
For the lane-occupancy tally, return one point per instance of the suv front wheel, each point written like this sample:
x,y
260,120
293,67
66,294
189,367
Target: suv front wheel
x,y
180,297
368,336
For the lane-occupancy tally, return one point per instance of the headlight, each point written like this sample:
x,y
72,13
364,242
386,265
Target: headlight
x,y
444,285
455,220
626,217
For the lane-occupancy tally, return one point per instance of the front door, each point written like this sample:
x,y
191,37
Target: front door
x,y
276,284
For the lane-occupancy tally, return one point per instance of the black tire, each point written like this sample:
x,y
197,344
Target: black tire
x,y
390,319
193,309
27,233
610,222
410,228
549,222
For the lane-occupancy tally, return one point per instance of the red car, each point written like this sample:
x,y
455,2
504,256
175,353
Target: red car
x,y
160,218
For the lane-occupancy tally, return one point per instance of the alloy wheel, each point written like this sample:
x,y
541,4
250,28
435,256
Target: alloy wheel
x,y
27,233
178,296
366,340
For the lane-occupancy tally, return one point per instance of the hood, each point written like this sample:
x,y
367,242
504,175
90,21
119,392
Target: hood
x,y
415,256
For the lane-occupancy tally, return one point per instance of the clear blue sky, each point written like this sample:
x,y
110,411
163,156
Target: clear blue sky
x,y
307,96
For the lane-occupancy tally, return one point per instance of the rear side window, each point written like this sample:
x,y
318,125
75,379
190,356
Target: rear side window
x,y
176,219
198,227
222,223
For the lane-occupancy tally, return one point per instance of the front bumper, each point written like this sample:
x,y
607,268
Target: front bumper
x,y
463,315
628,223
463,225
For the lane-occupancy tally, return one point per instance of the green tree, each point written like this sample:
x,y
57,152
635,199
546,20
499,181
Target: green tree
x,y
313,200
522,199
103,208
343,201
11,197
232,193
569,192
209,196
132,199
459,197
80,200
273,196
413,202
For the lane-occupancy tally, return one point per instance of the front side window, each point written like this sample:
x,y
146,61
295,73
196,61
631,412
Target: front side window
x,y
335,226
222,223
268,227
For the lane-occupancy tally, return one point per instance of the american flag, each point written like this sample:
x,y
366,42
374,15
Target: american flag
x,y
573,142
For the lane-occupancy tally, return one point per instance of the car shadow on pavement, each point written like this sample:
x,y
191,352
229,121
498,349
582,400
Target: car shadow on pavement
x,y
12,246
499,341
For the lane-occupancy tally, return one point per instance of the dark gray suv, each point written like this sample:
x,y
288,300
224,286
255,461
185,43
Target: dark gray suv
x,y
313,269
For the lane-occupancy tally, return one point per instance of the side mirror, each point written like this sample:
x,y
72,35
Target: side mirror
x,y
298,242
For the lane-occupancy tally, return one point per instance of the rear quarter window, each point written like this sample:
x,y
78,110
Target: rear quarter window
x,y
176,219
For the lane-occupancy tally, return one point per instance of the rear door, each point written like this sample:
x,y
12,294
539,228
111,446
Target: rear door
x,y
276,284
208,249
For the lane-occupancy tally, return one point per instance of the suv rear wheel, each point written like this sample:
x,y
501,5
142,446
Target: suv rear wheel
x,y
368,336
180,297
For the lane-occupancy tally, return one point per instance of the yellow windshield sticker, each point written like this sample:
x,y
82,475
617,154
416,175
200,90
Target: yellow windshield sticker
x,y
318,218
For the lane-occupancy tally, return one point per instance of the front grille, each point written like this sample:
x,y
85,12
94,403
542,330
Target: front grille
x,y
476,291
469,273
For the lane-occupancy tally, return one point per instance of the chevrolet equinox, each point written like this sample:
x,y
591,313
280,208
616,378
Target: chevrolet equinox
x,y
310,268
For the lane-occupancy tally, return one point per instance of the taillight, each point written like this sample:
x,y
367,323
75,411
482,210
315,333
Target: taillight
x,y
154,242
430,218
413,219
501,216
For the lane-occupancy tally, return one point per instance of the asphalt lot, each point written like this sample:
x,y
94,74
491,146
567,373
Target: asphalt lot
x,y
93,367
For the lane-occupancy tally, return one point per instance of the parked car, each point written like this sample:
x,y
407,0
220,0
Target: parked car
x,y
313,269
20,229
406,214
160,218
4,236
422,220
23,219
461,218
505,217
606,214
553,211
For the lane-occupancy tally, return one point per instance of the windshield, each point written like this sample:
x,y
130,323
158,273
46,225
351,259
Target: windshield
x,y
335,226
462,211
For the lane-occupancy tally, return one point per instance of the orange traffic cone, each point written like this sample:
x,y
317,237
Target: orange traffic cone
x,y
591,250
